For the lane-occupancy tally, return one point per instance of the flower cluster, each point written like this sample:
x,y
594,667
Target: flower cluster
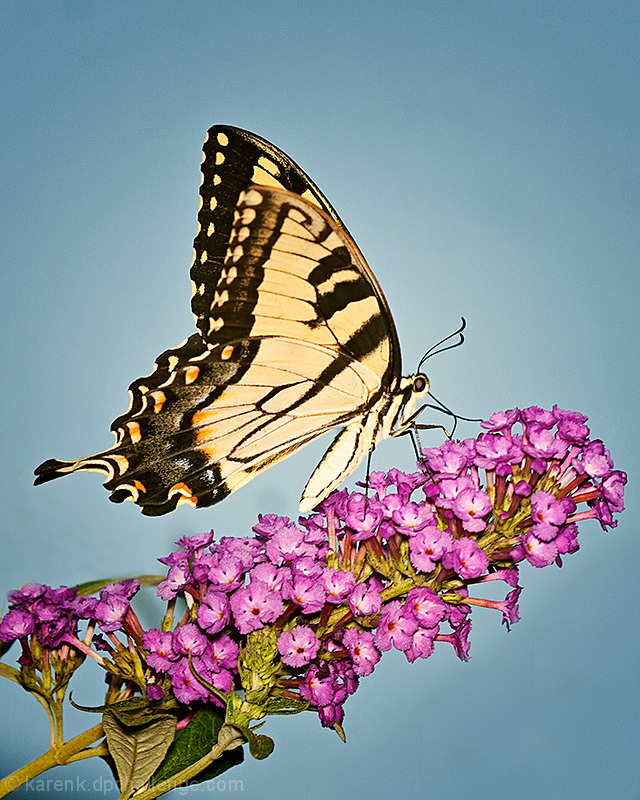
x,y
52,615
301,611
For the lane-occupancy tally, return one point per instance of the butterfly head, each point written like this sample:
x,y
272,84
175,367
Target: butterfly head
x,y
403,411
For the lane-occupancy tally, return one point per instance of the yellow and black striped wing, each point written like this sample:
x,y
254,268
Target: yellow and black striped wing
x,y
232,160
298,339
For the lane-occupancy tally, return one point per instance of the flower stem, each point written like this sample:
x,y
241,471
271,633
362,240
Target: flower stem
x,y
54,757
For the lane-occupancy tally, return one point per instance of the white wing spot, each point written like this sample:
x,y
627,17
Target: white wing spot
x,y
252,197
215,325
220,298
211,229
247,216
217,180
203,256
233,274
223,139
243,233
209,476
213,203
237,253
220,159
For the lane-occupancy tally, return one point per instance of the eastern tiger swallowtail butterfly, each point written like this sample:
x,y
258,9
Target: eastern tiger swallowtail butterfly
x,y
294,338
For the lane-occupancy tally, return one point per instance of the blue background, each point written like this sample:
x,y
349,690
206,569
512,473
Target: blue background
x,y
485,155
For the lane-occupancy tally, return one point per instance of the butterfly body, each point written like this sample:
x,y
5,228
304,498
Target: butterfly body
x,y
294,338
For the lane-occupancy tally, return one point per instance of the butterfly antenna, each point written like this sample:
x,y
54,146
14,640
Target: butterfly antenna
x,y
437,347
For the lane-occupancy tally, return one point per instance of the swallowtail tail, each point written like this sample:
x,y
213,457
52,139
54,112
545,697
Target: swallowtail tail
x,y
294,338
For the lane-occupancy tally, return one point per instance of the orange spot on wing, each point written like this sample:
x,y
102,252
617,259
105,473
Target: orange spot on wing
x,y
192,501
190,374
158,401
134,432
201,417
187,495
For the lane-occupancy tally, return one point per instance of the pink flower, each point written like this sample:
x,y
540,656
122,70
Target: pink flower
x,y
214,612
426,606
595,461
338,584
364,600
255,605
538,552
308,594
471,506
466,558
410,517
188,639
422,643
298,646
396,627
364,654
428,546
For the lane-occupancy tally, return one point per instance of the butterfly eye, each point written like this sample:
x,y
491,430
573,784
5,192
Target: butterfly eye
x,y
420,384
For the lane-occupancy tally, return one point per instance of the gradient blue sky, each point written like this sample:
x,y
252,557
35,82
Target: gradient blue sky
x,y
485,155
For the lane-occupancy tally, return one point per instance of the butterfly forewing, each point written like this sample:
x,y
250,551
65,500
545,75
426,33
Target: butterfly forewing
x,y
233,160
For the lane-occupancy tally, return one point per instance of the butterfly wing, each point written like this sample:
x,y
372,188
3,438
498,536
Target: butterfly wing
x,y
232,160
304,342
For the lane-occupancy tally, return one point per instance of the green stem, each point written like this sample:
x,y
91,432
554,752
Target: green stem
x,y
55,757
191,771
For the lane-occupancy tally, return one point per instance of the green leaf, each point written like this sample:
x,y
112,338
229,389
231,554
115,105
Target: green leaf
x,y
137,751
91,587
260,746
285,705
133,711
197,739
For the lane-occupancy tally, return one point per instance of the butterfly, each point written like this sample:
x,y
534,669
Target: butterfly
x,y
294,338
